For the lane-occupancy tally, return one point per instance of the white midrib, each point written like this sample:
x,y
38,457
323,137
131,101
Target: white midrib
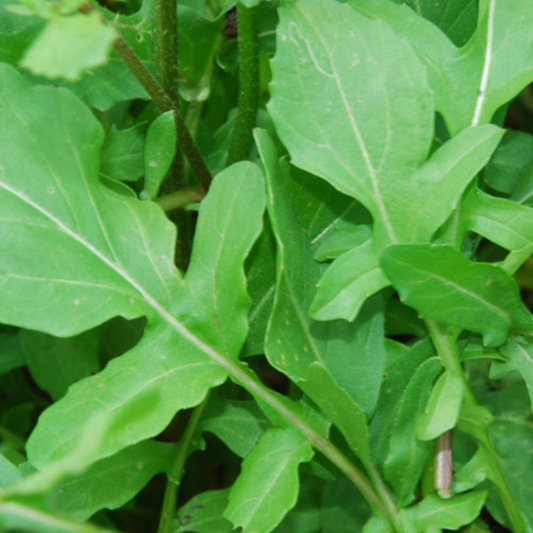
x,y
482,94
233,369
359,138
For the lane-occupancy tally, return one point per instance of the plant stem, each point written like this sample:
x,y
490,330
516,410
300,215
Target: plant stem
x,y
251,383
381,489
163,101
248,86
174,478
446,346
181,198
165,21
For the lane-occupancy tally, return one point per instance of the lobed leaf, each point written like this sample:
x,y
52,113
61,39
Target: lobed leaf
x,y
93,253
441,284
267,487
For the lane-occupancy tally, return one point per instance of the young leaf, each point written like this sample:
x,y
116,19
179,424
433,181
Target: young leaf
x,y
294,341
341,240
442,410
121,157
441,181
267,487
447,514
159,152
472,82
348,282
93,254
69,45
472,473
326,115
204,514
512,443
398,373
502,221
407,454
239,424
441,284
520,354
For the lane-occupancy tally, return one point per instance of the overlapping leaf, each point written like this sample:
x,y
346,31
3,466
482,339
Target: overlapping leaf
x,y
472,82
441,284
268,484
294,341
77,253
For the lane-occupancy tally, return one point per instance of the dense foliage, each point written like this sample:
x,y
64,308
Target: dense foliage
x,y
266,266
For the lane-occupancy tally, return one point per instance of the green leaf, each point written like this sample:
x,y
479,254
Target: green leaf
x,y
74,271
159,152
512,443
472,473
441,181
261,286
238,424
343,508
267,487
82,496
520,353
122,153
11,356
305,516
16,33
341,240
204,514
16,516
341,128
447,514
502,221
456,18
512,155
69,45
348,282
339,408
9,473
199,40
398,372
407,454
442,410
470,83
443,285
294,341
56,363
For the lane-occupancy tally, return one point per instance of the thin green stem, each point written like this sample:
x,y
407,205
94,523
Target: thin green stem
x,y
445,343
381,489
250,382
180,199
171,491
248,86
163,101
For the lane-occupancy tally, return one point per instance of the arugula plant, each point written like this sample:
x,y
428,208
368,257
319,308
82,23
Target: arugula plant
x,y
268,279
